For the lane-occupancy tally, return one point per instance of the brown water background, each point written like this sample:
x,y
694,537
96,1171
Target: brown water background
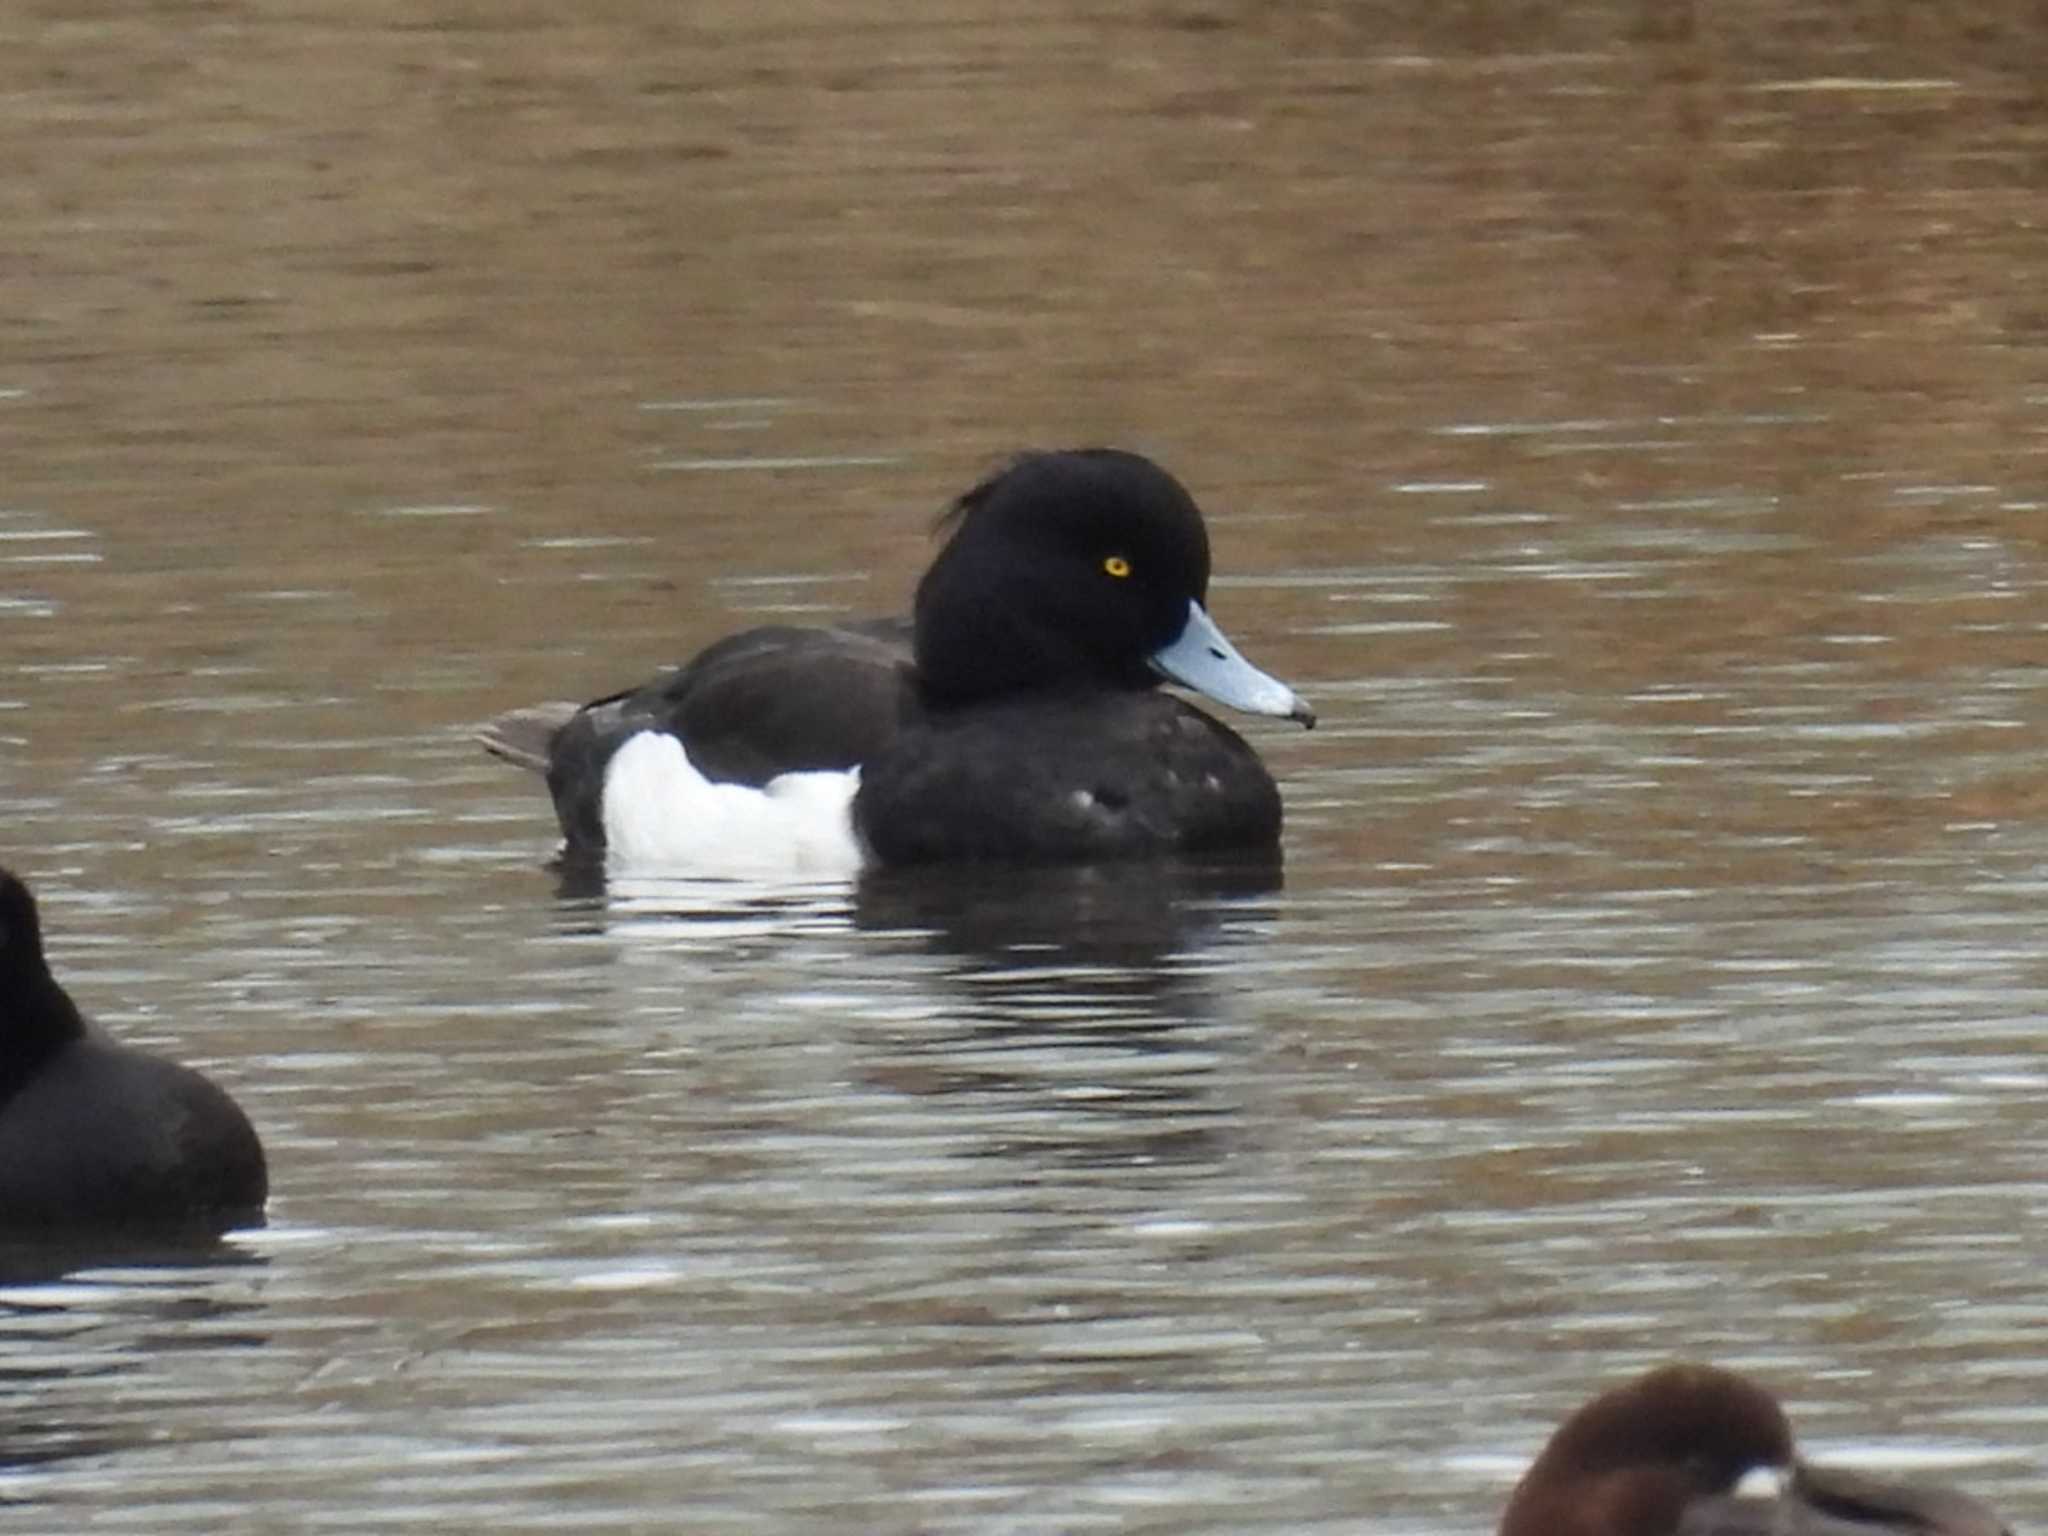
x,y
1626,422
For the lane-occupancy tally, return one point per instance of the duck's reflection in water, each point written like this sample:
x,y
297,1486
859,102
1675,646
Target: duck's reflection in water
x,y
29,1259
1085,1017
1136,916
84,1307
1068,1012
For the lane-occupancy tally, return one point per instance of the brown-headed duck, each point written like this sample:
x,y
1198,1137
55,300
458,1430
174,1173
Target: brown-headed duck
x,y
1692,1450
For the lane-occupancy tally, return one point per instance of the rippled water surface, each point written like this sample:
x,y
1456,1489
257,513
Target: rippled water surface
x,y
1628,429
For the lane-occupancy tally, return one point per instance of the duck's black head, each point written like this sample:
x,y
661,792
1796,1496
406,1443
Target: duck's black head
x,y
1064,570
36,1015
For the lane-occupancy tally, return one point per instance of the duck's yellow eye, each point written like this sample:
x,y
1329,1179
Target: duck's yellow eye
x,y
1117,566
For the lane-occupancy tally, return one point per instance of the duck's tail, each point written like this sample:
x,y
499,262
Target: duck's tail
x,y
522,736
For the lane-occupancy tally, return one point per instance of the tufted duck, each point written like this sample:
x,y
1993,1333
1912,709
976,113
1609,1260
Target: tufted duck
x,y
1014,716
94,1134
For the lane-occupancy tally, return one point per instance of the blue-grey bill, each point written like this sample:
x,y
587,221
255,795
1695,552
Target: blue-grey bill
x,y
1204,659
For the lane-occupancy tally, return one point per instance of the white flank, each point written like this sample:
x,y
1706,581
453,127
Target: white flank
x,y
661,816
